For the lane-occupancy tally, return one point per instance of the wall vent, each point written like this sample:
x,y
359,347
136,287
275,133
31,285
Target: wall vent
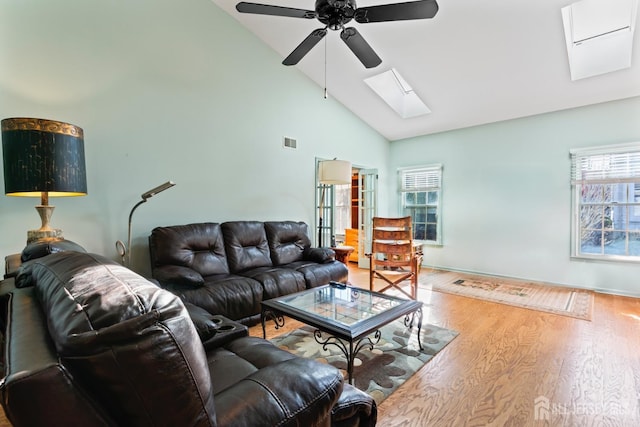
x,y
289,143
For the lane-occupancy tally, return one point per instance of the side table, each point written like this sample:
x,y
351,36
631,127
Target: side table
x,y
342,253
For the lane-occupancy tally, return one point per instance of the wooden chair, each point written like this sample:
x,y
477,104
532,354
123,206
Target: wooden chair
x,y
394,258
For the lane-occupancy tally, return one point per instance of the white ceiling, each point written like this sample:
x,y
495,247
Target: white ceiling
x,y
475,62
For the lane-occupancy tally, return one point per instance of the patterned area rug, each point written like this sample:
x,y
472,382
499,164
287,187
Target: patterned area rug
x,y
379,371
571,302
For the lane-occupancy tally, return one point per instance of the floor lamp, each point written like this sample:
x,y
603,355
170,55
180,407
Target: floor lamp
x,y
331,172
125,251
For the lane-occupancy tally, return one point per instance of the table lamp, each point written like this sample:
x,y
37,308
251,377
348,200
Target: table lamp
x,y
43,158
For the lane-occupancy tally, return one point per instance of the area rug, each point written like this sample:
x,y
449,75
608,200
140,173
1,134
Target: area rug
x,y
571,302
380,371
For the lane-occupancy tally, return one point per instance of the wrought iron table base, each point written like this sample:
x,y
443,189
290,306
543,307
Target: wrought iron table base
x,y
354,347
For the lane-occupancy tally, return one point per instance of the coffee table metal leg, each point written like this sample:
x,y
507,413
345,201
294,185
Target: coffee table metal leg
x,y
352,350
278,319
408,322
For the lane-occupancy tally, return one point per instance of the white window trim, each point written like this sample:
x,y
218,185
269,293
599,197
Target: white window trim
x,y
433,184
577,179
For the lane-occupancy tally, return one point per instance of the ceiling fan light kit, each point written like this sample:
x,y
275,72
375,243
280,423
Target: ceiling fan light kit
x,y
335,14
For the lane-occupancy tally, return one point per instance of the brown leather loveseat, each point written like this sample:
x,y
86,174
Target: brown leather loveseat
x,y
89,342
229,268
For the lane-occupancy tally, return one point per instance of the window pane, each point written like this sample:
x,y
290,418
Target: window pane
x,y
419,215
615,243
432,197
420,232
421,198
432,214
432,233
588,247
591,193
618,218
591,217
409,198
634,244
617,193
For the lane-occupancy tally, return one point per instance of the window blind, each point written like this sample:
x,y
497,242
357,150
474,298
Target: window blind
x,y
611,164
423,179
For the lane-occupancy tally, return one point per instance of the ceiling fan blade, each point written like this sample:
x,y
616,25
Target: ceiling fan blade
x,y
304,47
265,9
423,9
360,47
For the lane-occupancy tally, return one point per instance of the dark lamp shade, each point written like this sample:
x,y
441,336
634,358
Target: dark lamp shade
x,y
43,156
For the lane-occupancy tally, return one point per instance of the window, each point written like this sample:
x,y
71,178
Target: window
x,y
421,195
606,202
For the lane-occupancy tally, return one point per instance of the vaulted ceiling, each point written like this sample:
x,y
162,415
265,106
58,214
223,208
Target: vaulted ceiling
x,y
475,62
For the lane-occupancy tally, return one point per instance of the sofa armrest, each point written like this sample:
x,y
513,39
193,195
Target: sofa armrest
x,y
175,274
214,330
319,255
355,408
293,392
37,389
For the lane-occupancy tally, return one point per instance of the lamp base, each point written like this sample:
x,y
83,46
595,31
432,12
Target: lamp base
x,y
35,235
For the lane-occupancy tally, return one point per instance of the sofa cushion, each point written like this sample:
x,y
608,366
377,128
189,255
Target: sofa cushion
x,y
197,246
44,247
232,296
320,274
269,387
246,245
287,240
276,281
125,339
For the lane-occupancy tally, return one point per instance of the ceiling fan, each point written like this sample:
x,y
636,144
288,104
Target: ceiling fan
x,y
335,14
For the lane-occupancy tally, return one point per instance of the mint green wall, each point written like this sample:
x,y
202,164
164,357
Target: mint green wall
x,y
167,90
506,201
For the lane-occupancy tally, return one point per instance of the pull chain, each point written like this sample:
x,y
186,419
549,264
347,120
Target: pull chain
x,y
325,68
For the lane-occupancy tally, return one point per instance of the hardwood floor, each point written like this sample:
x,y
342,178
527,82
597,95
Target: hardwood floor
x,y
582,373
506,357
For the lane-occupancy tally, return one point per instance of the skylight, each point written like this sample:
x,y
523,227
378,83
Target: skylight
x,y
599,35
396,92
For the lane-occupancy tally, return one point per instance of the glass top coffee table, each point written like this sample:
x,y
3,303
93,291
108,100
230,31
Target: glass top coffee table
x,y
350,316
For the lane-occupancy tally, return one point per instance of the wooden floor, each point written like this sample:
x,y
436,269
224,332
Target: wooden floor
x,y
508,361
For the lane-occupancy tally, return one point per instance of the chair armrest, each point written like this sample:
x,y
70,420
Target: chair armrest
x,y
175,274
319,255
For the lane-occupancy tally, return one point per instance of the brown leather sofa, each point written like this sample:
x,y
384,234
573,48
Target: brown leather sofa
x,y
229,268
89,342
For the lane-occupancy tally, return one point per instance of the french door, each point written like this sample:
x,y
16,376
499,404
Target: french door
x,y
367,209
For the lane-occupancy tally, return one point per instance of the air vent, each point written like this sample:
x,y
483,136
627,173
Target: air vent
x,y
289,143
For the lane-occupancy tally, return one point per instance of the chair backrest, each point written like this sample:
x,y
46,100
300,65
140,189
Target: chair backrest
x,y
392,237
